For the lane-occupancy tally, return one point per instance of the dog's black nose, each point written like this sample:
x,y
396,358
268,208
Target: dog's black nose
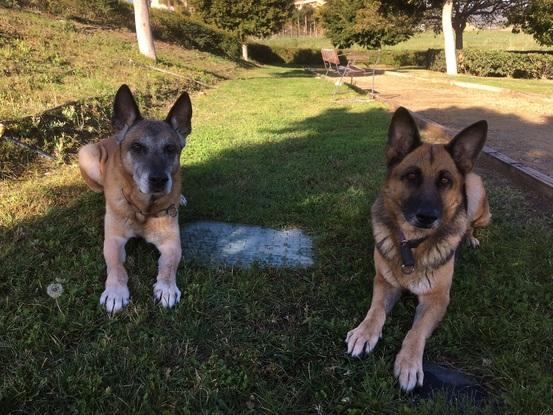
x,y
158,181
427,217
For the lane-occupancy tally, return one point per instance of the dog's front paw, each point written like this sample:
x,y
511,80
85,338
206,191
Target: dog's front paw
x,y
473,242
408,370
168,295
362,339
114,299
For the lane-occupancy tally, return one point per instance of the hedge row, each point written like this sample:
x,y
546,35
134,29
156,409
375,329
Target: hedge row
x,y
535,65
530,65
166,26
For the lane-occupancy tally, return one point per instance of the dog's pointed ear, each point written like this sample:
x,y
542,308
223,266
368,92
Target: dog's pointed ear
x,y
465,146
403,136
180,117
125,111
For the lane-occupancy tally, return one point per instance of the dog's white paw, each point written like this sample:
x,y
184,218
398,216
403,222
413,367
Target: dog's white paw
x,y
473,242
166,294
362,340
114,299
408,371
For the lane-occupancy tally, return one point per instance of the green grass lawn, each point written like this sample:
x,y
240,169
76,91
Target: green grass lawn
x,y
481,39
533,86
270,148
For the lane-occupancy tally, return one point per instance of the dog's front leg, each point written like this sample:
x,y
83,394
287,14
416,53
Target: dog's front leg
x,y
116,294
166,291
408,365
364,337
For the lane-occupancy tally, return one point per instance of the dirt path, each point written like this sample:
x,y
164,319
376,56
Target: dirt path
x,y
520,127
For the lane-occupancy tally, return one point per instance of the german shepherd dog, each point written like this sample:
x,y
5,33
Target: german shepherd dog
x,y
138,170
430,201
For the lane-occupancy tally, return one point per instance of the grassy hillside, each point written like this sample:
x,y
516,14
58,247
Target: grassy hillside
x,y
50,62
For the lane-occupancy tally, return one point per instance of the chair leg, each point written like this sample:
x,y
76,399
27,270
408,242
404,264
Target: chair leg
x,y
372,86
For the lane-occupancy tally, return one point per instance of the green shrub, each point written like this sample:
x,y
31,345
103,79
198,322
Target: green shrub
x,y
533,65
305,56
278,55
193,34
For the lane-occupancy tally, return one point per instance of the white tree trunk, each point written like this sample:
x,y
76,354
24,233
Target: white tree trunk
x,y
245,52
449,38
143,30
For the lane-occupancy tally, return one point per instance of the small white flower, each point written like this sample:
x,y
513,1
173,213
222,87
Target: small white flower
x,y
54,290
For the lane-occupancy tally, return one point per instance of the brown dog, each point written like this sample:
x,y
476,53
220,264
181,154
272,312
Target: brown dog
x,y
138,169
430,201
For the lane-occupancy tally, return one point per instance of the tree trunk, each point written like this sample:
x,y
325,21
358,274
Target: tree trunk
x,y
449,38
245,51
143,30
459,37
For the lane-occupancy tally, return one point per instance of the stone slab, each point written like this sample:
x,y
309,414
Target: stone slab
x,y
235,245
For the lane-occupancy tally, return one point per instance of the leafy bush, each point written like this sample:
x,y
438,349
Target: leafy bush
x,y
533,65
193,34
306,56
278,55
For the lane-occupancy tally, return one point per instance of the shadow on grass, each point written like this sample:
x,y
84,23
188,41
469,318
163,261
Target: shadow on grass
x,y
294,72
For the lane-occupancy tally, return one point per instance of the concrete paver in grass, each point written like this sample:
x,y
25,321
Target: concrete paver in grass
x,y
227,244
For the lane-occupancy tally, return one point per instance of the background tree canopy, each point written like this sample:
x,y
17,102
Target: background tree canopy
x,y
479,13
370,23
248,17
535,17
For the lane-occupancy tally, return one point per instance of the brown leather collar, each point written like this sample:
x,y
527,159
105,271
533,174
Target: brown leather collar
x,y
405,246
170,210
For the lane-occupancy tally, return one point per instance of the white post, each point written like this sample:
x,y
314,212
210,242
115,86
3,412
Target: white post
x,y
143,30
449,38
245,52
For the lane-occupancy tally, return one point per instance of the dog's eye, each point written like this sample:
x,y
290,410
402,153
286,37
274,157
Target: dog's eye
x,y
444,181
138,148
412,176
170,149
